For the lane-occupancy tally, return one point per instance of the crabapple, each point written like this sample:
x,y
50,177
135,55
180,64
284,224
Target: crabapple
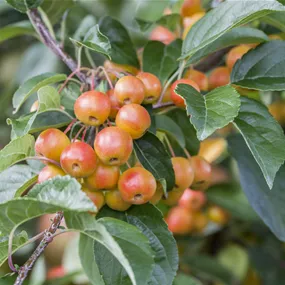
x,y
183,171
92,108
35,106
178,100
200,221
219,76
50,144
111,66
78,160
212,148
134,119
50,171
173,197
56,272
157,195
97,197
105,177
192,200
235,54
217,215
179,221
190,7
199,77
163,35
188,22
137,185
115,201
129,89
113,146
152,87
115,105
202,173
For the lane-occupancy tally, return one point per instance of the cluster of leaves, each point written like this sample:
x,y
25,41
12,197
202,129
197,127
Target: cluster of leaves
x,y
137,243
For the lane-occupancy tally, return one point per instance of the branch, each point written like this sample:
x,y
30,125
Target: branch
x,y
48,237
50,42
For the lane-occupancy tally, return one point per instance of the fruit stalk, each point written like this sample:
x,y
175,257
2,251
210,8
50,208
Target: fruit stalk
x,y
24,270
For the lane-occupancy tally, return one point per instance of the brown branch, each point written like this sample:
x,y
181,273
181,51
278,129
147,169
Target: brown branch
x,y
24,270
51,43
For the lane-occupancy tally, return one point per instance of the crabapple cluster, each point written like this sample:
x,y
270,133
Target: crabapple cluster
x,y
116,118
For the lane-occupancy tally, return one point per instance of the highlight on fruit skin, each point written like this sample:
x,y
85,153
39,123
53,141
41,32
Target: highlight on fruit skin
x,y
191,7
137,185
198,77
134,119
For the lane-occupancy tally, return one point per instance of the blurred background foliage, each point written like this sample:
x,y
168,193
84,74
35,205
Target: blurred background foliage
x,y
244,250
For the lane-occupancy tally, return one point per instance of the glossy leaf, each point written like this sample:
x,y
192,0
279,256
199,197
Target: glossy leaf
x,y
181,119
14,30
16,151
153,157
262,68
24,5
12,179
33,85
121,240
55,9
149,221
268,204
237,36
276,20
48,114
183,279
95,41
166,124
263,135
210,268
172,22
214,24
160,59
210,112
122,48
18,241
57,194
232,199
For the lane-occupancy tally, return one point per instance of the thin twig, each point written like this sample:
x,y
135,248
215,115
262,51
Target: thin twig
x,y
48,236
43,159
52,44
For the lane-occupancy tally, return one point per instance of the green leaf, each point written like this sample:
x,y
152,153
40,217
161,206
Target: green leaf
x,y
33,85
263,135
48,115
57,194
210,268
24,5
123,241
122,48
183,279
14,30
210,112
12,179
233,200
267,204
85,25
69,95
276,20
172,22
149,220
166,124
16,151
18,241
153,156
236,36
235,259
88,260
180,117
95,41
160,59
214,24
261,68
55,9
